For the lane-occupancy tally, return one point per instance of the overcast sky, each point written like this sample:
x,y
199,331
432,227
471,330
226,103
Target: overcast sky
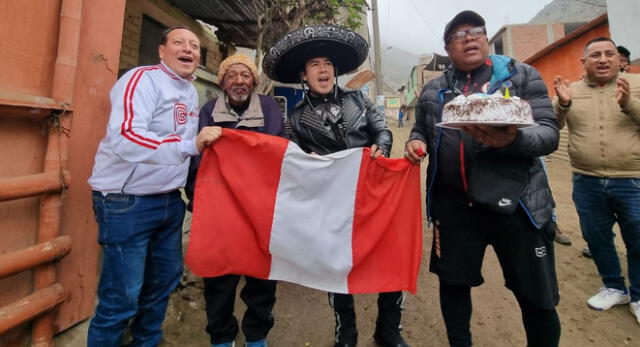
x,y
417,25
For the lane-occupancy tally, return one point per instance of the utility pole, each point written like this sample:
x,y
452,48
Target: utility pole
x,y
376,48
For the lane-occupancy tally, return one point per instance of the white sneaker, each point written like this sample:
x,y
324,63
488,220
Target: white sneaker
x,y
607,298
634,307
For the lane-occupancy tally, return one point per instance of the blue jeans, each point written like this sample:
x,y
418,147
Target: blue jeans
x,y
141,238
601,202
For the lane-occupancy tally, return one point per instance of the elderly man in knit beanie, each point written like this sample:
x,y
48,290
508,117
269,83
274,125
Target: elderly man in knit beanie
x,y
238,107
238,77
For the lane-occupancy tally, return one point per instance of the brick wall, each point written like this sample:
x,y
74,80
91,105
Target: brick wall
x,y
164,13
130,38
526,40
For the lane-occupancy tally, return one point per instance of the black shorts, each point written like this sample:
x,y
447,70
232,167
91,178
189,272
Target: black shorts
x,y
525,253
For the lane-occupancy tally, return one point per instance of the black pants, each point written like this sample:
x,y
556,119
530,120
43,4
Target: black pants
x,y
526,253
541,325
388,322
220,294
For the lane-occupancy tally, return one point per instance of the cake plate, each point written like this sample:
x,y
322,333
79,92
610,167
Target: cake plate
x,y
458,125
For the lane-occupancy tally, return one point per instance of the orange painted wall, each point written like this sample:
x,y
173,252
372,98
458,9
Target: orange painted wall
x,y
29,39
565,60
100,40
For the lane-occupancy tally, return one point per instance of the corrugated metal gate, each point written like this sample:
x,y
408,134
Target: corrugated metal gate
x,y
58,60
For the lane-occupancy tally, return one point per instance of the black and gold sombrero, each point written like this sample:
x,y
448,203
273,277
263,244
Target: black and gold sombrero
x,y
285,60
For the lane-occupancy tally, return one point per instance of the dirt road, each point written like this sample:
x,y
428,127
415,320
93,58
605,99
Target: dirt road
x,y
303,316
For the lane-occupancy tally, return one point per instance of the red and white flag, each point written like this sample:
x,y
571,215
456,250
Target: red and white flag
x,y
342,223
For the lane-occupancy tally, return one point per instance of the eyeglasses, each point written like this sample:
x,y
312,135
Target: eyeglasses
x,y
475,32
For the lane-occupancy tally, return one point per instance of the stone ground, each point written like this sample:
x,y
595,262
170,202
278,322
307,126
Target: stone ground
x,y
303,316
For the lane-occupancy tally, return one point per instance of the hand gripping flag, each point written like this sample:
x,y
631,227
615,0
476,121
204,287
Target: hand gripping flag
x,y
344,222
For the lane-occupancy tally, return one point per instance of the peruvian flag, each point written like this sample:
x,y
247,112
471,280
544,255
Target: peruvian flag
x,y
342,223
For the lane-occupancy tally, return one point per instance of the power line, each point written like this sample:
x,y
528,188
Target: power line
x,y
588,3
424,20
386,31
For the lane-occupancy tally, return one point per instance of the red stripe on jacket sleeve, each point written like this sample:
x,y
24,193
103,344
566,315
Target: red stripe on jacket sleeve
x,y
123,127
126,127
172,138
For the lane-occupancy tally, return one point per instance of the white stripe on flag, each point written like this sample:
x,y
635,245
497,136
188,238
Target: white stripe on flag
x,y
313,219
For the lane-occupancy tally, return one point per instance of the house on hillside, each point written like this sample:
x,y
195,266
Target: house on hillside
x,y
392,105
431,66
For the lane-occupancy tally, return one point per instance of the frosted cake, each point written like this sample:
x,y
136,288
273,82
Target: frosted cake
x,y
494,109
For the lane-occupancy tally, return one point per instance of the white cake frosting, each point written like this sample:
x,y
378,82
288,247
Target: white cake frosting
x,y
494,108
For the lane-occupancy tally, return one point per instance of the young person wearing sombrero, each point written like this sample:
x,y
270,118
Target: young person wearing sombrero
x,y
331,119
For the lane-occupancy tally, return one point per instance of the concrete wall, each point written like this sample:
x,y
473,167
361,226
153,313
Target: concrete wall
x,y
625,26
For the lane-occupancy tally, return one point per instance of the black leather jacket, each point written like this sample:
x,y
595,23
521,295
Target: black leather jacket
x,y
365,126
515,172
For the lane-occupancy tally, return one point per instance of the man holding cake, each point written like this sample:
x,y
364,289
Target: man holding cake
x,y
485,183
602,112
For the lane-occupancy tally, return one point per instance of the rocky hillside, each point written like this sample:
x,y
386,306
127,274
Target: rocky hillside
x,y
396,67
570,11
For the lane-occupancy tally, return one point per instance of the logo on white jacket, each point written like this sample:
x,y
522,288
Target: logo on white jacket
x,y
504,202
180,114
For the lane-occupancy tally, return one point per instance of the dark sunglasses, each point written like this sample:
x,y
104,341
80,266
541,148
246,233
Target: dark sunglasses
x,y
475,32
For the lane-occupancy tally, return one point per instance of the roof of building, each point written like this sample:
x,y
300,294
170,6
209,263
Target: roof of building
x,y
568,38
235,20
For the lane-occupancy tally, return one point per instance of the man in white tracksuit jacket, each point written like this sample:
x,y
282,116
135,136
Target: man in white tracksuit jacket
x,y
139,167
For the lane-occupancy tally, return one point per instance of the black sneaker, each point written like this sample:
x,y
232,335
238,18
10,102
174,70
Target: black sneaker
x,y
347,341
397,341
